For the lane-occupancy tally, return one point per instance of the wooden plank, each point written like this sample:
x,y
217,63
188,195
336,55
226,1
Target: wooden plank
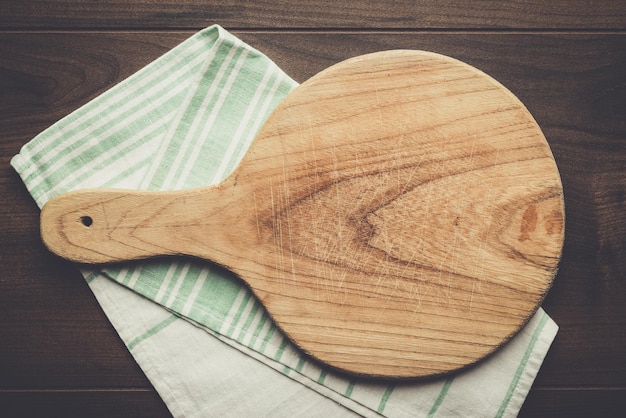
x,y
319,14
560,78
581,403
81,403
572,84
42,83
575,403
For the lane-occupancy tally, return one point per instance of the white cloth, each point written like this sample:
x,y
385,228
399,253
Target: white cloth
x,y
203,340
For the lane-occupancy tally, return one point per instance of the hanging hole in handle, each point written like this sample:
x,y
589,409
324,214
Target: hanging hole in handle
x,y
86,220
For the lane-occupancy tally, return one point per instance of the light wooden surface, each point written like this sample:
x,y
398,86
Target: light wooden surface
x,y
564,59
399,215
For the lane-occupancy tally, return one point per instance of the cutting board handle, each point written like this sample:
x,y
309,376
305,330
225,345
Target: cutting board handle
x,y
111,225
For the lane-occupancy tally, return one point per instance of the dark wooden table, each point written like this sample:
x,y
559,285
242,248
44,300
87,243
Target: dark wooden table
x,y
566,60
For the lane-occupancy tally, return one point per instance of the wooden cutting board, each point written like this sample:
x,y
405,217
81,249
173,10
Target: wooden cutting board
x,y
400,214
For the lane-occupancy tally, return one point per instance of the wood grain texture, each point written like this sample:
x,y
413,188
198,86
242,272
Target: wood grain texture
x,y
64,403
572,83
321,14
578,402
395,200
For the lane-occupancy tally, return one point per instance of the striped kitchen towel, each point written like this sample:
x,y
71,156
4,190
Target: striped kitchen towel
x,y
201,337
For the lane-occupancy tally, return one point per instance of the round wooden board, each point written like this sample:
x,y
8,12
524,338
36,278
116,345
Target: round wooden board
x,y
417,181
399,215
